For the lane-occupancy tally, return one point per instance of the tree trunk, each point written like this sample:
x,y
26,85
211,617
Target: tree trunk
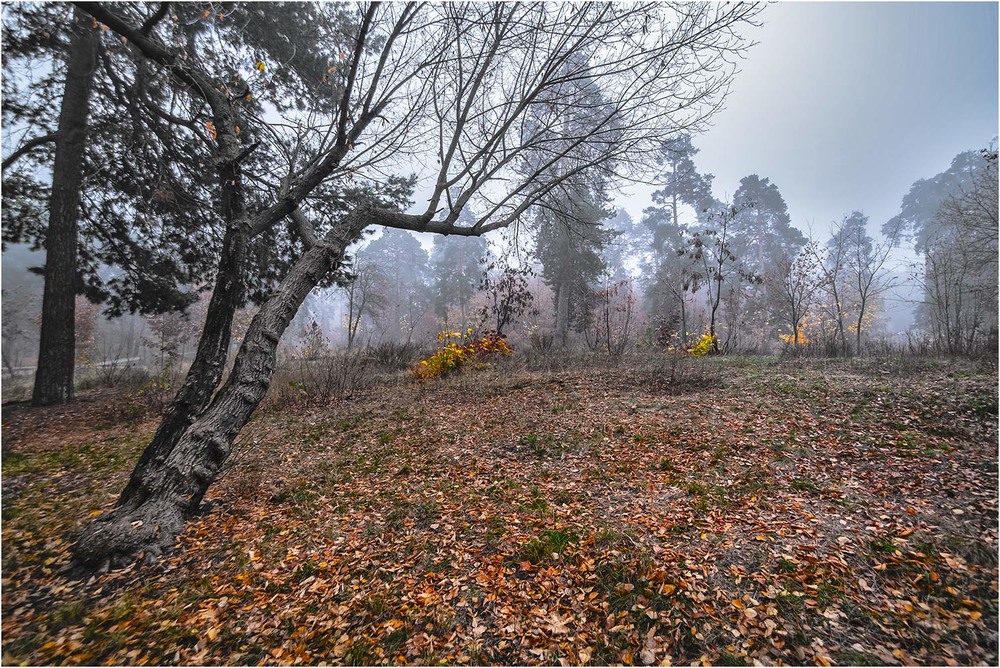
x,y
57,343
841,334
206,369
562,315
684,322
175,487
716,300
861,316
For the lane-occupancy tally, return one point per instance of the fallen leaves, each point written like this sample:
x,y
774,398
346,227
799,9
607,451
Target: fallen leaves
x,y
581,519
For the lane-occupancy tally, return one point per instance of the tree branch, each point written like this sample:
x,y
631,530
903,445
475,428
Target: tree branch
x,y
28,146
304,228
151,22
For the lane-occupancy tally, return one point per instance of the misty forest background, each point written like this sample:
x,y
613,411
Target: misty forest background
x,y
591,279
328,337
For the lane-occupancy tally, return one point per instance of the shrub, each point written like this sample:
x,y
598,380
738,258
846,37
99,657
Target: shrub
x,y
338,375
149,398
393,356
704,346
789,339
541,342
460,348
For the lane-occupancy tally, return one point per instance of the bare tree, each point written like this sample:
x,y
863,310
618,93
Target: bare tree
x,y
17,329
508,295
364,298
713,248
467,77
796,281
611,323
864,266
832,266
959,273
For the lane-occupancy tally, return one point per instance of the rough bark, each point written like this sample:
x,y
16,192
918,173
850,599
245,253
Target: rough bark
x,y
174,488
213,346
57,341
205,372
207,367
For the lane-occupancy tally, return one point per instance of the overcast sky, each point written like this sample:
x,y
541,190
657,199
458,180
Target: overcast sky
x,y
845,105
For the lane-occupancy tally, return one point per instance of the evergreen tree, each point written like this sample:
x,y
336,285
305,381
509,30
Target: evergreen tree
x,y
762,236
951,219
57,341
455,270
406,295
763,231
569,241
917,220
672,274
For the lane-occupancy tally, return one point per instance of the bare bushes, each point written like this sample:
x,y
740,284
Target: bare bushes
x,y
676,373
341,374
643,368
392,356
16,388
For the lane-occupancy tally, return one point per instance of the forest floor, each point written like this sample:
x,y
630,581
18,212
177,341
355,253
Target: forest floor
x,y
718,511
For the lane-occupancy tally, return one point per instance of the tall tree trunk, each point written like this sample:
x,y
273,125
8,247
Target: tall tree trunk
x,y
684,322
227,295
673,206
562,314
841,333
57,343
714,308
861,317
175,487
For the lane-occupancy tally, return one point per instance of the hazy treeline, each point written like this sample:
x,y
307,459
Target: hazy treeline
x,y
573,272
592,277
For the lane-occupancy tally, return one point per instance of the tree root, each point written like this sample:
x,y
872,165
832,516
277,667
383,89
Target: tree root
x,y
120,537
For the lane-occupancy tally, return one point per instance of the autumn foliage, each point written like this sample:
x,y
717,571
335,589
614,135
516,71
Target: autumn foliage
x,y
703,346
799,338
459,349
800,513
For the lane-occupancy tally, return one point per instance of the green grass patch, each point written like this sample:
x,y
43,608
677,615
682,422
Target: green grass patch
x,y
108,455
804,485
852,657
665,465
548,543
883,545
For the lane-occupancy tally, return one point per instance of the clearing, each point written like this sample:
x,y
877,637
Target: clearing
x,y
798,512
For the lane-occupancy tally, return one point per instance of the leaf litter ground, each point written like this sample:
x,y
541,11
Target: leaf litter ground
x,y
752,511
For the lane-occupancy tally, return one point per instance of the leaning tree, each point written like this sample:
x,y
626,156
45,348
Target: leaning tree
x,y
471,95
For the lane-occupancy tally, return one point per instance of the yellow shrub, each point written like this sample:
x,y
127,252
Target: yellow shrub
x,y
459,349
790,338
704,346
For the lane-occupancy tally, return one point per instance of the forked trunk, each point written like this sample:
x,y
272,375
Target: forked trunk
x,y
205,372
174,488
